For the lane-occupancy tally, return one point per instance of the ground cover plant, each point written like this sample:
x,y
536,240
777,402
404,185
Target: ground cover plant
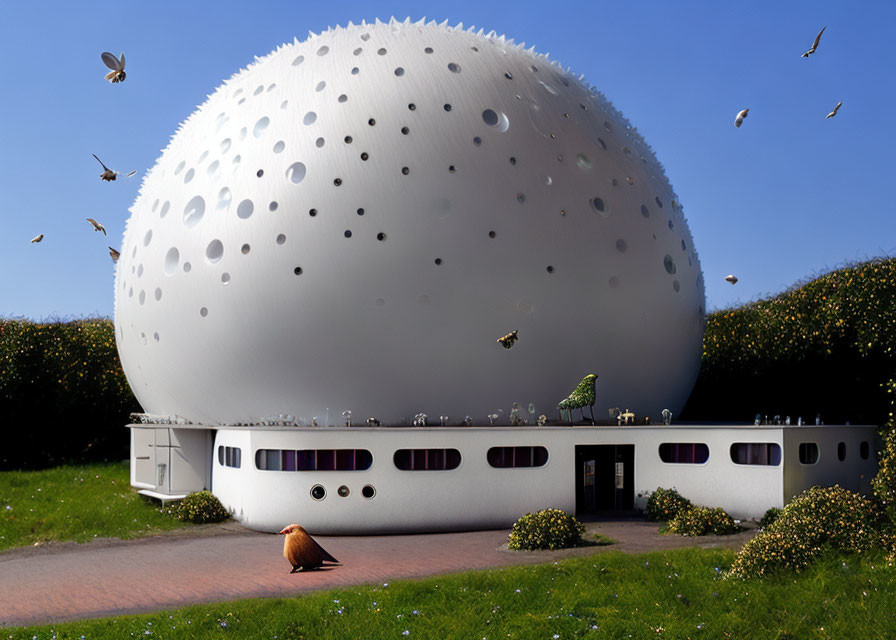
x,y
675,594
199,508
546,529
824,346
76,503
63,389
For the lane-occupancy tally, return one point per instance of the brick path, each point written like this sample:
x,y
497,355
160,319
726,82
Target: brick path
x,y
69,581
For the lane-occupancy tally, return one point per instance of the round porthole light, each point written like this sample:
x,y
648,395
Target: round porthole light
x,y
318,492
343,491
368,491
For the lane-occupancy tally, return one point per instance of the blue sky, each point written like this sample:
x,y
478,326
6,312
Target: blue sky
x,y
788,195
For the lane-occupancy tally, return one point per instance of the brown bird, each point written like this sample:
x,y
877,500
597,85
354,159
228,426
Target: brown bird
x,y
114,254
302,551
96,225
107,175
836,109
37,238
814,44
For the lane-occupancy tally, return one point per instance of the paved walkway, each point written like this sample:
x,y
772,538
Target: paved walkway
x,y
69,581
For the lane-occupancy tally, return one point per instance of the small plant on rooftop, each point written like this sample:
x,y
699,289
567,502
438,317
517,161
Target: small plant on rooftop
x,y
701,521
664,504
546,529
199,508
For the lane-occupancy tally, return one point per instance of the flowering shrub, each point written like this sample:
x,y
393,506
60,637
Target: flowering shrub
x,y
701,521
199,508
804,351
769,517
546,529
820,518
664,504
884,482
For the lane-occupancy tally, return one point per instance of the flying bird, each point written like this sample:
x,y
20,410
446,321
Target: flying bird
x,y
731,278
814,44
302,551
739,118
834,112
37,238
115,255
107,175
96,225
117,65
508,340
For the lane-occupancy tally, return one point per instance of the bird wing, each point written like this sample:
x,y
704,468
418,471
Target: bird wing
x,y
101,162
132,173
112,62
818,38
322,553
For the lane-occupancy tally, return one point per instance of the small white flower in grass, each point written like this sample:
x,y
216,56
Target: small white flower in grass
x,y
405,633
414,612
8,507
556,635
594,626
518,591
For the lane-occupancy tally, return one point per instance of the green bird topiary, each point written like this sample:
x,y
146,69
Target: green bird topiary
x,y
582,396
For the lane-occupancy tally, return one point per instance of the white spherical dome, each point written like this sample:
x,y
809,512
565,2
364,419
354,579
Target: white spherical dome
x,y
352,222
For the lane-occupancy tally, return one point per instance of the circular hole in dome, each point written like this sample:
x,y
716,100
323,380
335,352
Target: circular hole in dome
x,y
550,269
337,182
188,176
621,245
512,161
180,167
676,285
224,199
405,171
360,211
271,87
142,297
342,98
279,147
225,145
521,198
225,278
659,202
323,50
155,336
273,206
645,211
203,312
492,234
671,225
669,264
212,169
297,271
157,294
320,86
259,173
603,144
438,261
583,161
243,133
284,104
381,236
312,212
140,271
187,267
296,172
399,71
148,238
412,106
684,247
613,282
194,211
347,139
598,205
427,50
477,141
371,122
172,258
281,239
381,51
365,37
260,126
355,71
131,292
320,142
451,168
236,162
453,67
155,205
446,107
214,251
364,155
298,61
245,249
405,131
357,51
508,75
496,119
347,233
309,118
245,209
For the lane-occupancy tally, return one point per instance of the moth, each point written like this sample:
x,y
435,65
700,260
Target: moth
x,y
117,65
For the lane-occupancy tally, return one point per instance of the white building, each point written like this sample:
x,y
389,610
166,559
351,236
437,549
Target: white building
x,y
348,480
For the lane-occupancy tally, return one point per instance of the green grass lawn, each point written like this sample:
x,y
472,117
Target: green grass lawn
x,y
75,503
675,594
